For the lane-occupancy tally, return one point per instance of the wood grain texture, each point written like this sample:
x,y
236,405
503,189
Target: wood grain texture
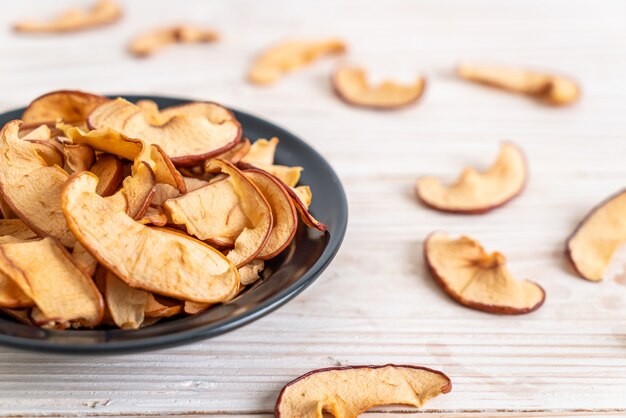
x,y
376,303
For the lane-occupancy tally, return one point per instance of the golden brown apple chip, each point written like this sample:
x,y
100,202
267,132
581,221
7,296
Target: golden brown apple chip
x,y
52,280
188,135
72,106
347,392
164,192
304,194
283,213
477,192
235,154
251,272
261,155
111,141
158,260
303,209
138,190
477,279
194,308
79,157
352,86
231,208
154,216
592,245
162,307
17,229
108,169
549,88
289,56
150,42
48,152
11,295
192,183
104,12
126,305
31,188
84,259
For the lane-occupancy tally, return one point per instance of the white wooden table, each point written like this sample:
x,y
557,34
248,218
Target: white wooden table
x,y
376,303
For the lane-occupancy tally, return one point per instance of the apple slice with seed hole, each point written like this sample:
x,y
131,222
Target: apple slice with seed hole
x,y
592,245
109,171
283,213
157,260
72,106
30,188
477,192
549,88
351,86
58,287
347,392
213,130
477,279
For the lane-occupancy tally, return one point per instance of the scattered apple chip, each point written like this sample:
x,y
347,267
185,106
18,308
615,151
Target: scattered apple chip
x,y
188,135
158,260
283,213
233,207
104,12
150,42
549,88
352,86
109,171
477,279
52,280
289,56
126,305
592,245
347,392
16,228
31,188
475,192
71,106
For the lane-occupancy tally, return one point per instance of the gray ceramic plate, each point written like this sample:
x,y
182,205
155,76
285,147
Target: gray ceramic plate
x,y
285,276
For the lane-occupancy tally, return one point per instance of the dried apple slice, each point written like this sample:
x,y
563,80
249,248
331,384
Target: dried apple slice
x,y
304,194
194,308
233,207
156,260
17,229
592,245
11,295
138,190
104,12
150,42
186,137
251,272
352,86
552,89
31,188
347,392
477,279
283,213
161,307
79,157
475,192
109,171
235,154
126,305
48,152
52,280
154,216
84,260
289,56
262,152
72,106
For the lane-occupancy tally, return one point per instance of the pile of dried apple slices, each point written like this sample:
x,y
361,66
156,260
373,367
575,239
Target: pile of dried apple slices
x,y
120,214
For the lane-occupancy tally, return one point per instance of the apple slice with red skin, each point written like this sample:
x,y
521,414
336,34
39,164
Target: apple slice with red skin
x,y
591,246
189,135
283,213
347,392
351,86
157,260
477,279
475,192
72,106
109,171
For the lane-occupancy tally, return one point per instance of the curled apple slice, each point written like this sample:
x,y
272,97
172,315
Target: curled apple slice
x,y
79,157
150,42
138,190
53,281
126,305
289,56
261,155
104,12
186,136
31,188
304,194
72,106
475,192
347,392
230,209
109,171
352,86
157,260
477,279
283,213
552,89
595,240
